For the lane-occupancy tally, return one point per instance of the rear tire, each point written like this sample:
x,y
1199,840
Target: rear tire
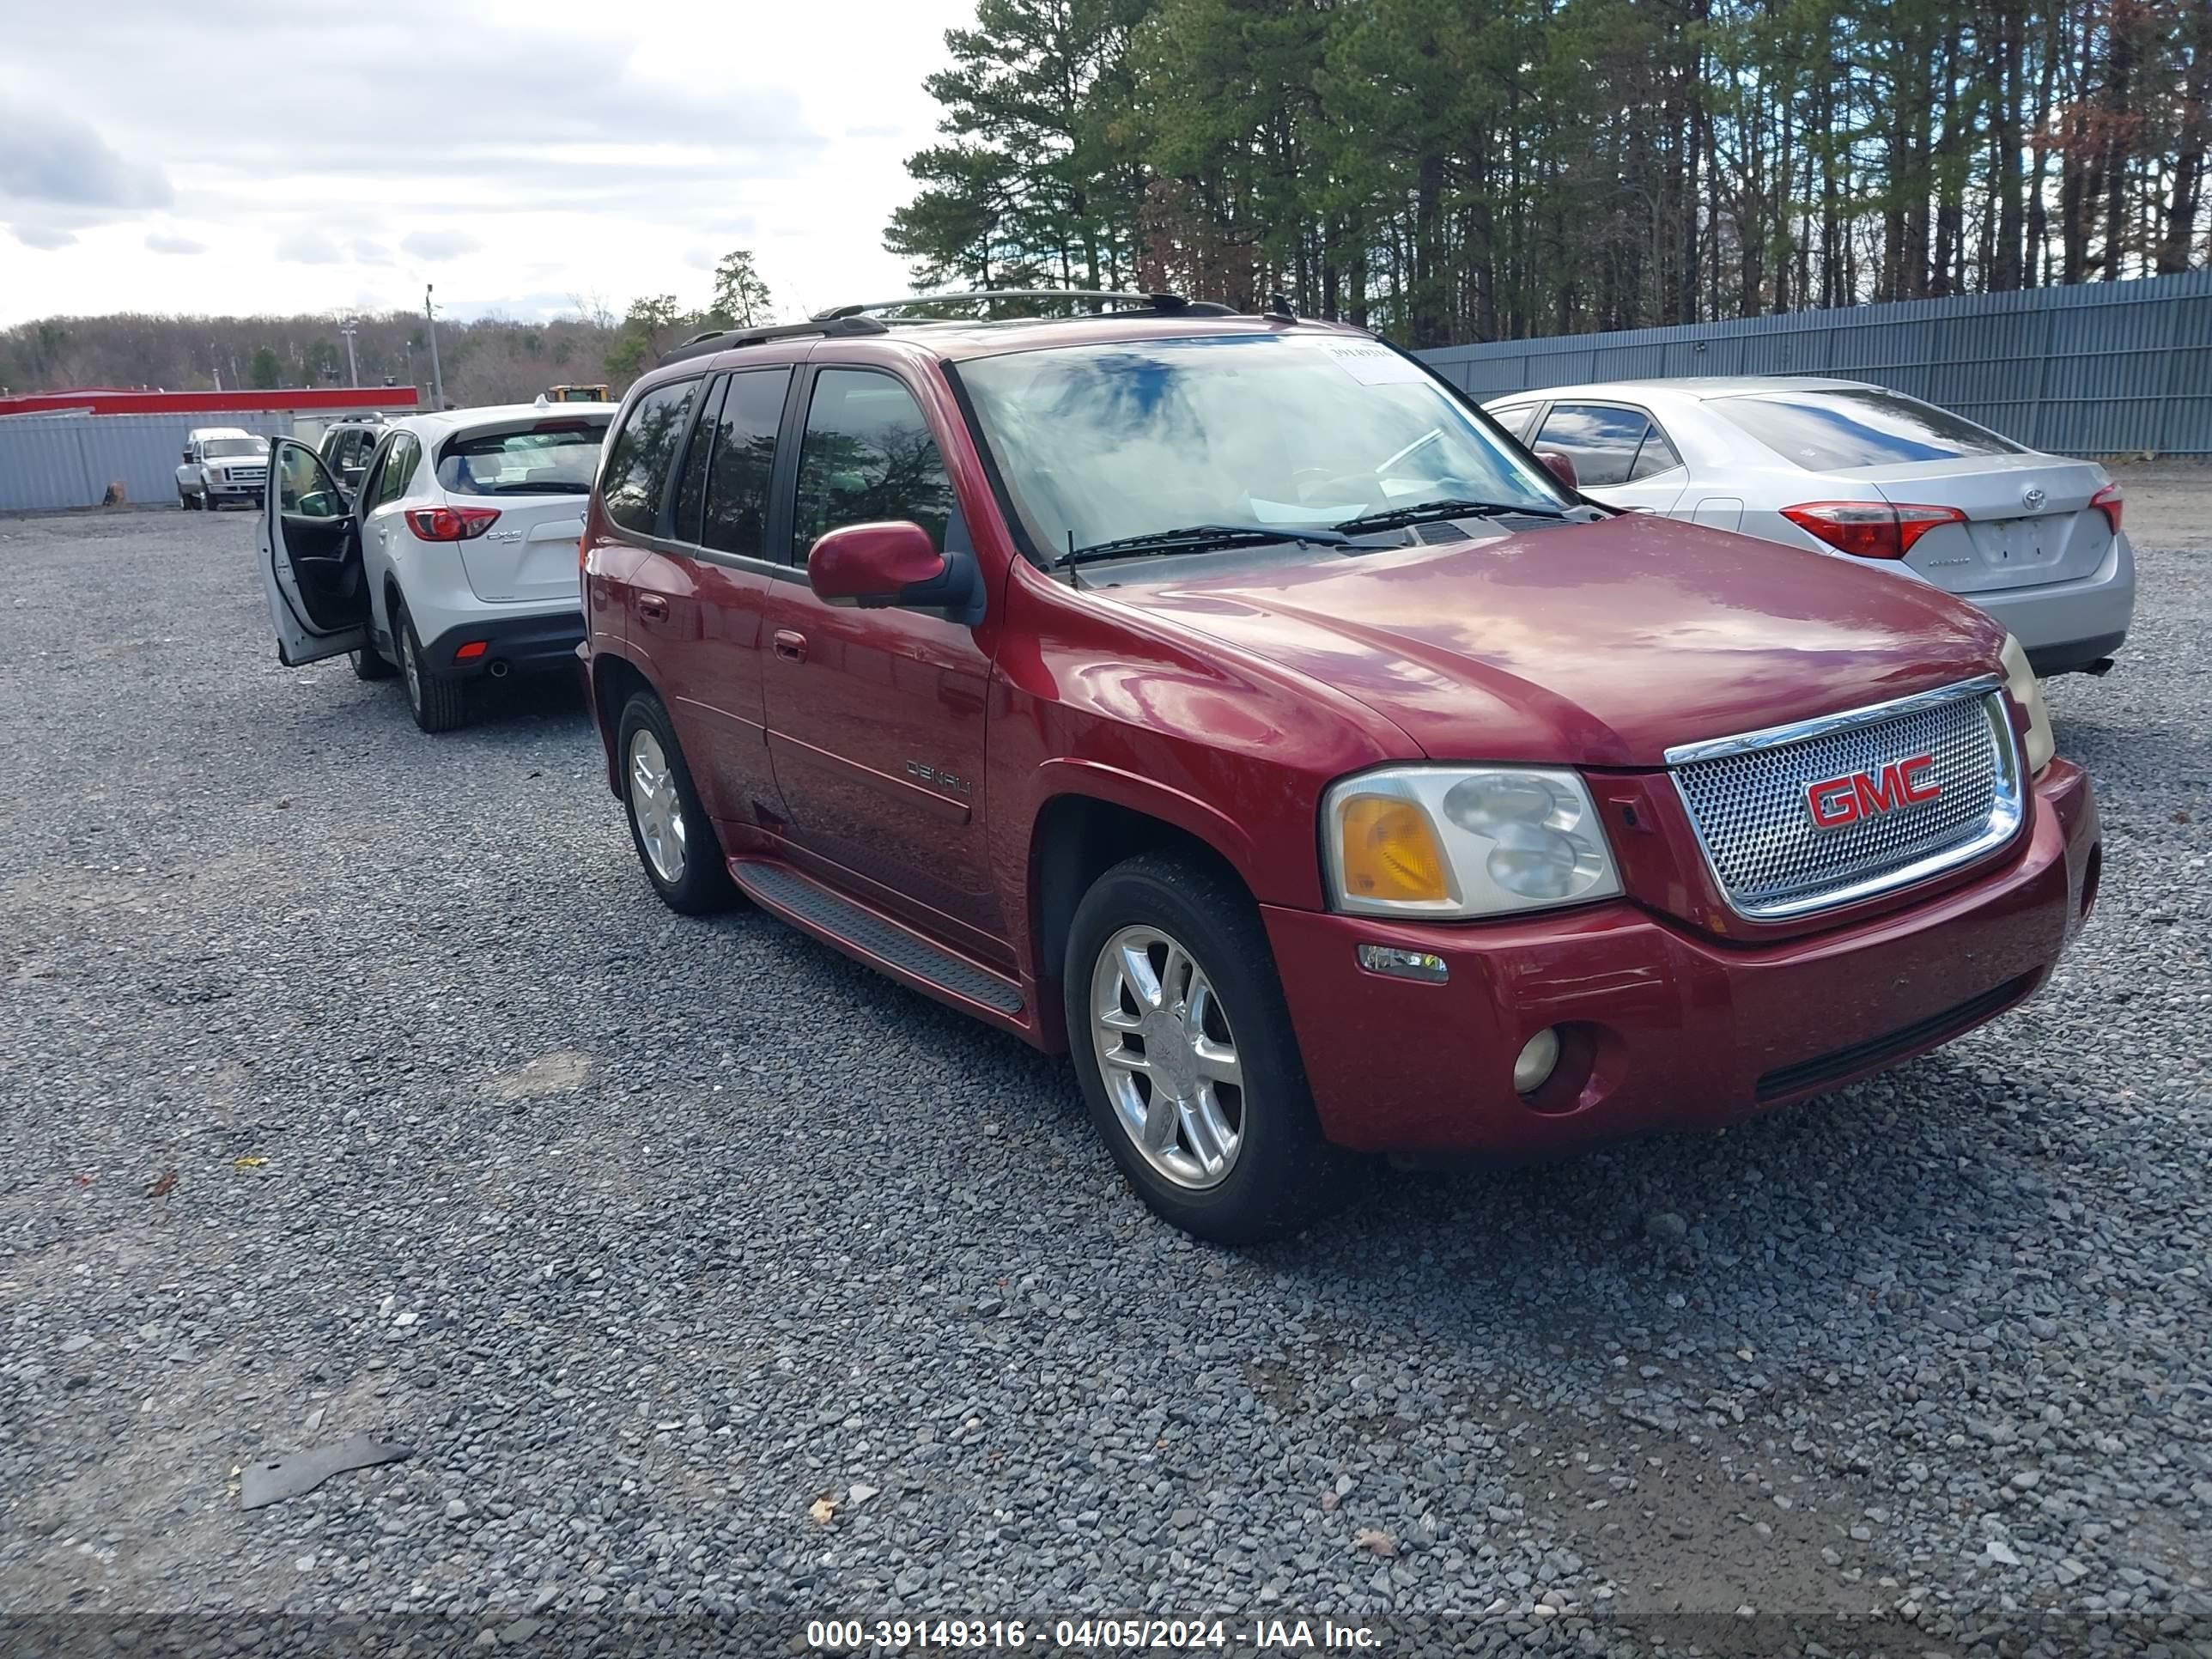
x,y
1232,1161
677,846
438,702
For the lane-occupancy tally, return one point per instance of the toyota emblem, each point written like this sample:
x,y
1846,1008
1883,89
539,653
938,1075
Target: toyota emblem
x,y
2032,498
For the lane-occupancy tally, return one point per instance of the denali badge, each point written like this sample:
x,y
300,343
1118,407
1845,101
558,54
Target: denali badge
x,y
937,778
1835,802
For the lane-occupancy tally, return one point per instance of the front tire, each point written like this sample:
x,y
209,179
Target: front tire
x,y
438,702
677,846
1184,1048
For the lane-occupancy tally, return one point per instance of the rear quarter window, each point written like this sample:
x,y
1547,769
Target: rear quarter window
x,y
636,476
1833,431
1514,417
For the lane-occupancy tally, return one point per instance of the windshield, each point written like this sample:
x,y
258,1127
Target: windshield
x,y
557,462
1824,431
215,448
1101,442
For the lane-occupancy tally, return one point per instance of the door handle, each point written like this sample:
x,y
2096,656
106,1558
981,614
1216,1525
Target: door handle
x,y
790,645
653,607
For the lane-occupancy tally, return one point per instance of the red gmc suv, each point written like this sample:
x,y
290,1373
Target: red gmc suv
x,y
1227,699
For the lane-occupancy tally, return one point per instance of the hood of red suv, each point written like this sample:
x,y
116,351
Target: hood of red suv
x,y
1594,645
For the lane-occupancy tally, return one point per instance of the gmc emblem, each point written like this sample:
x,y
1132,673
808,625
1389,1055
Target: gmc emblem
x,y
1835,802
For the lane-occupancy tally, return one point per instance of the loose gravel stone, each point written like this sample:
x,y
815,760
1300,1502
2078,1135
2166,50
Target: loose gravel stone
x,y
353,1082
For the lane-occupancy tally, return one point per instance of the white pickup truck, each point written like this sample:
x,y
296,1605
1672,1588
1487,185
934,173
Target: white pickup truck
x,y
222,463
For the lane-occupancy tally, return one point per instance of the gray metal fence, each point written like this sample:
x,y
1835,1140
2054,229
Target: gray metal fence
x,y
2101,368
62,460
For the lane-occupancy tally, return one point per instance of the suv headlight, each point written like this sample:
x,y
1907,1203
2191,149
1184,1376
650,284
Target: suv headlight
x,y
2024,689
1456,842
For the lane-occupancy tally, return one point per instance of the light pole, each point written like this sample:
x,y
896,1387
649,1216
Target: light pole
x,y
437,380
350,328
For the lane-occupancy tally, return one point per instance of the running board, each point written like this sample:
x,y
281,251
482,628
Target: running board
x,y
875,939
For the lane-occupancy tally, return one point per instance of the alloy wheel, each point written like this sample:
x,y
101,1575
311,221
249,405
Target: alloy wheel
x,y
1168,1057
657,806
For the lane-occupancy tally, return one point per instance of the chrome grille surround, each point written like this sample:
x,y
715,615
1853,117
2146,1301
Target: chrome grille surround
x,y
1745,798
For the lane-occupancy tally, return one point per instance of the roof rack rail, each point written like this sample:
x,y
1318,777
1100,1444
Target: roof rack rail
x,y
1171,305
728,339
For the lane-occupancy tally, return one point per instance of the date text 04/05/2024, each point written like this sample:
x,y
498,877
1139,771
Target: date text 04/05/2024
x,y
1098,1636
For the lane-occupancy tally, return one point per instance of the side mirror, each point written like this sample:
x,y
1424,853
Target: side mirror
x,y
185,453
876,565
1561,467
873,564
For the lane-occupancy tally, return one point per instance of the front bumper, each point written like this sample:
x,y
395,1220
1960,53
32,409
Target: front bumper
x,y
528,644
1663,1027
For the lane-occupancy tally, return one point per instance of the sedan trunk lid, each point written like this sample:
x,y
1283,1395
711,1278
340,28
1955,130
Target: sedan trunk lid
x,y
2028,519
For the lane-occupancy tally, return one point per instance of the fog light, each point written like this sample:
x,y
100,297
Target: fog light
x,y
1537,1056
1424,965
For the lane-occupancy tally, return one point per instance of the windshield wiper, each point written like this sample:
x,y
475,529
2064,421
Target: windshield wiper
x,y
1198,537
1398,518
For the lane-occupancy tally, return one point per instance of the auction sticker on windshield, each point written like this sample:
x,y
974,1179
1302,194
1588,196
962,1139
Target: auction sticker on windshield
x,y
1368,361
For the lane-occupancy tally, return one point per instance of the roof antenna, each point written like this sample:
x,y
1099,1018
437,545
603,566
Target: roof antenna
x,y
1278,305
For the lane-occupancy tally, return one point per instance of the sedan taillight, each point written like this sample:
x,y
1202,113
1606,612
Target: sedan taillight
x,y
1870,530
450,524
2108,501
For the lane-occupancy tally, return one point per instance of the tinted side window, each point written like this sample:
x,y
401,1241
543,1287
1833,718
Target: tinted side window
x,y
1514,418
867,455
744,456
398,468
636,474
1656,455
692,483
1602,442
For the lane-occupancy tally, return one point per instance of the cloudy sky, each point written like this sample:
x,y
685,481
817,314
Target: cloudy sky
x,y
201,155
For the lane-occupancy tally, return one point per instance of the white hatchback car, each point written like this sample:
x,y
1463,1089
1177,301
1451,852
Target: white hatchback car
x,y
455,559
1859,471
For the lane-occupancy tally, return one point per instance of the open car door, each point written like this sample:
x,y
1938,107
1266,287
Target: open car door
x,y
311,564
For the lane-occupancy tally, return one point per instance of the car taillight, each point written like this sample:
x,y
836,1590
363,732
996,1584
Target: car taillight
x,y
450,524
1870,530
2108,501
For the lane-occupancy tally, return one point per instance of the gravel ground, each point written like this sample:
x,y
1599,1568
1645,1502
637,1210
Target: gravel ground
x,y
353,1080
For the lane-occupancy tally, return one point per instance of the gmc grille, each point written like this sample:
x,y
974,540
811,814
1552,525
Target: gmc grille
x,y
1763,841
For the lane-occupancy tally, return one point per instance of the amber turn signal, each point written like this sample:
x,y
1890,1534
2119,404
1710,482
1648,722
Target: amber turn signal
x,y
1390,852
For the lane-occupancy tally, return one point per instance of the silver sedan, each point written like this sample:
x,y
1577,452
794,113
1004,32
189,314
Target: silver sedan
x,y
1860,472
